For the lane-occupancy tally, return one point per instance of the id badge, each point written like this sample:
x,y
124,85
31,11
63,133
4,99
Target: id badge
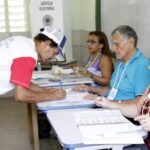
x,y
112,94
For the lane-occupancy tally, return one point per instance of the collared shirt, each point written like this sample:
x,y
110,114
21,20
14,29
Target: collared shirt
x,y
135,78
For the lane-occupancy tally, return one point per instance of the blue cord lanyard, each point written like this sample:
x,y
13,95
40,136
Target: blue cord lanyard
x,y
117,86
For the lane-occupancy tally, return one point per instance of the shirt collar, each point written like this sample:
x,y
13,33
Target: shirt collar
x,y
135,56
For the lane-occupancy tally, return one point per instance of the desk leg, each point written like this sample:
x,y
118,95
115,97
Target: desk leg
x,y
33,125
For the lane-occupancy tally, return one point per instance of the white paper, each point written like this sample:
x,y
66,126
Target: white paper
x,y
48,79
40,76
72,99
107,135
48,82
44,75
60,70
106,127
99,117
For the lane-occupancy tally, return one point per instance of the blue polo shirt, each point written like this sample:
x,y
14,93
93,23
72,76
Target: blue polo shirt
x,y
135,79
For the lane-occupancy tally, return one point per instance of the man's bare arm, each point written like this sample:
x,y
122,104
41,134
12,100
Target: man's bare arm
x,y
38,94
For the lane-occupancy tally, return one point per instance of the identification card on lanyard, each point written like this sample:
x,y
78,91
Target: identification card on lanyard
x,y
114,90
112,94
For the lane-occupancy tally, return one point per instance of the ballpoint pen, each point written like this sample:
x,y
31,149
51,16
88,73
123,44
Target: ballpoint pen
x,y
61,84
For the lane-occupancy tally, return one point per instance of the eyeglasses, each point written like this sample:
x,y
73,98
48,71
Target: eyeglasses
x,y
91,42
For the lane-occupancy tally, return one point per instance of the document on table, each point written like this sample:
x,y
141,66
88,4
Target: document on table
x,y
72,100
106,127
41,75
50,80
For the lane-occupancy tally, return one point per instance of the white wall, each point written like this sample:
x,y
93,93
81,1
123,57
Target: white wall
x,y
135,13
83,14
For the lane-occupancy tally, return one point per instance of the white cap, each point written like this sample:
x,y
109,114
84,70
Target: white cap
x,y
55,35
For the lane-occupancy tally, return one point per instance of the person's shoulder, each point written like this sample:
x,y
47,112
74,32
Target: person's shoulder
x,y
21,38
106,58
23,41
143,59
140,59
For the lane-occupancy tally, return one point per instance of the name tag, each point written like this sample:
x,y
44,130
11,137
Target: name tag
x,y
112,94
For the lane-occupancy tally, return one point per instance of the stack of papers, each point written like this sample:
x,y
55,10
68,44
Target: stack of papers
x,y
50,80
107,127
44,75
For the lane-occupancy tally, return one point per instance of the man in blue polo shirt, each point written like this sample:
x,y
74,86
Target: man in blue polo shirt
x,y
131,75
131,78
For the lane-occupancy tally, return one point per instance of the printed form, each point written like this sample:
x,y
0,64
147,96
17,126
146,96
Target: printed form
x,y
72,100
106,127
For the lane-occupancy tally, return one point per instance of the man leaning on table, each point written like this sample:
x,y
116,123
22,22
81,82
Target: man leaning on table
x,y
18,59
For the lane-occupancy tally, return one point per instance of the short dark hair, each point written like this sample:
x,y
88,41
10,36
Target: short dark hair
x,y
41,37
127,32
102,38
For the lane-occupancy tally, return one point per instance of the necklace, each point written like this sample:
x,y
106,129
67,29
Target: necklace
x,y
92,60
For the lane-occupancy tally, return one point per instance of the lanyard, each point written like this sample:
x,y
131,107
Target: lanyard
x,y
117,86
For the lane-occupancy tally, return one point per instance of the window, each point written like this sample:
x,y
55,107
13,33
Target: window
x,y
13,16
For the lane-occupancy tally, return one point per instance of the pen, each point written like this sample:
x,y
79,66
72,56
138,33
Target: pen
x,y
61,85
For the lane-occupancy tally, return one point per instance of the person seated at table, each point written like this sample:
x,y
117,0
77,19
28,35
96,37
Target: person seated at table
x,y
99,66
131,75
139,109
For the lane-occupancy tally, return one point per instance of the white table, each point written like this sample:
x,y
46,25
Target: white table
x,y
68,133
33,122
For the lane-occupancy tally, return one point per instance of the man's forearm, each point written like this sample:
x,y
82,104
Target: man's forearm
x,y
36,88
31,96
99,90
127,108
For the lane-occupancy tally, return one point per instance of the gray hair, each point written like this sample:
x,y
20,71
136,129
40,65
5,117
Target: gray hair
x,y
127,32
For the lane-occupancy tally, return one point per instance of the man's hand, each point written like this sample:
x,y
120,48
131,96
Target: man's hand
x,y
144,121
102,102
58,94
90,97
81,87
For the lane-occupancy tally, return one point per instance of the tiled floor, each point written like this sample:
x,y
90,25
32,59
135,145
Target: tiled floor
x,y
14,128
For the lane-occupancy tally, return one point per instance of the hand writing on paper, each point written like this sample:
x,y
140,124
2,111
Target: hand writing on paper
x,y
58,94
144,121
